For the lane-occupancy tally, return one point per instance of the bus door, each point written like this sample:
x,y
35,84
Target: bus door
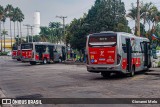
x,y
39,51
63,53
129,54
51,54
147,54
56,53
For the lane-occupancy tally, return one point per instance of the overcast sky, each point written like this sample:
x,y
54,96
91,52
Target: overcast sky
x,y
50,8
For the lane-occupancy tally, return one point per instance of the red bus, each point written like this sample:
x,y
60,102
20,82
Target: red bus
x,y
19,54
117,52
42,52
14,52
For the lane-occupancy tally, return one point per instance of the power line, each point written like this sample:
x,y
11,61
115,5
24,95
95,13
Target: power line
x,y
29,27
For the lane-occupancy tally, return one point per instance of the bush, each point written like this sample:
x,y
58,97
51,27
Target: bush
x,y
3,53
158,48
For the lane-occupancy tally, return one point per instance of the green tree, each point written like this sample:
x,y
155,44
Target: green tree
x,y
105,15
122,28
52,33
20,18
1,17
77,34
142,30
14,20
145,8
55,32
18,15
4,33
8,10
44,32
133,15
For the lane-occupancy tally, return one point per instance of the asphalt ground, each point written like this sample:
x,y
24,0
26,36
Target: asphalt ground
x,y
73,81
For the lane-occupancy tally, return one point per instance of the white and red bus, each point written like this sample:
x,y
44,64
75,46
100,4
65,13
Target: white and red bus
x,y
117,52
42,52
14,52
19,53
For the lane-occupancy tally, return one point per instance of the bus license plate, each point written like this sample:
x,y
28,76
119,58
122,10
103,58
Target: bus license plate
x,y
102,59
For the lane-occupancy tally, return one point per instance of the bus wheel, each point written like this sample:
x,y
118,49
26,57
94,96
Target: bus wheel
x,y
60,59
45,61
132,73
105,74
18,59
33,63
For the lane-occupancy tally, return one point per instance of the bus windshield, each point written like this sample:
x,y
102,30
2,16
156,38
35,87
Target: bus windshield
x,y
102,40
26,46
14,48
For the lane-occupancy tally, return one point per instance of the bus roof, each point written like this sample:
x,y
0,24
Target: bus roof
x,y
45,43
119,34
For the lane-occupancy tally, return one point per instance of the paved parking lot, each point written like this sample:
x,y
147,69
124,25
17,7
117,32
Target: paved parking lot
x,y
72,81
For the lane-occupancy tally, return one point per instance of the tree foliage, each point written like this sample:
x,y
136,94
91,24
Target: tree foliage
x,y
104,15
52,33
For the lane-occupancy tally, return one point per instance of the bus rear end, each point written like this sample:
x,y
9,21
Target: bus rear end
x,y
102,55
26,52
18,54
14,53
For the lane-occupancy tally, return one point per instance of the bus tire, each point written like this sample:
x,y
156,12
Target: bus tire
x,y
18,59
132,73
105,74
45,61
33,63
60,59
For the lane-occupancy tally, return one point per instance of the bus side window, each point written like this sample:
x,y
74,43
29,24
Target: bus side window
x,y
47,49
142,47
55,49
123,44
37,48
44,48
124,47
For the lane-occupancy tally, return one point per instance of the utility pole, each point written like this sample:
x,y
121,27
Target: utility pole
x,y
11,34
138,19
32,32
114,25
63,18
27,25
